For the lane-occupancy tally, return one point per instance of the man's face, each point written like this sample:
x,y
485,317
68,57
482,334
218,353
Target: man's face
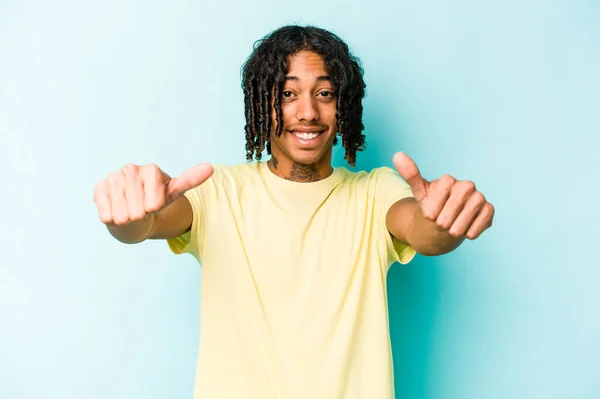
x,y
308,107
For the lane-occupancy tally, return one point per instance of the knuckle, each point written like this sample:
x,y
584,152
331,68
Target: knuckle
x,y
152,173
479,197
130,169
448,179
152,170
468,186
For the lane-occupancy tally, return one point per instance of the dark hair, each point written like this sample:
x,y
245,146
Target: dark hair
x,y
265,71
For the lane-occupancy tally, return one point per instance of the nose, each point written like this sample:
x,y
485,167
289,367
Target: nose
x,y
307,109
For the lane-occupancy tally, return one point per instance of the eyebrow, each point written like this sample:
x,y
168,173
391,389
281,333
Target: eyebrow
x,y
319,79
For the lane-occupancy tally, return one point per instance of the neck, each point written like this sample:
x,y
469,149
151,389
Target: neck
x,y
294,171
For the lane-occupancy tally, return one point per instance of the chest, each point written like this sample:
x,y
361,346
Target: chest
x,y
292,249
291,233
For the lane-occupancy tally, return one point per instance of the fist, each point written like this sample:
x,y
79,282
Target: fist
x,y
456,206
134,192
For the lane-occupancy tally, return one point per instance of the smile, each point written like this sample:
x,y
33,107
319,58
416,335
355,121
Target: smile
x,y
306,136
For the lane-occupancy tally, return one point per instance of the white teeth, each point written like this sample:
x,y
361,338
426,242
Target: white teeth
x,y
306,136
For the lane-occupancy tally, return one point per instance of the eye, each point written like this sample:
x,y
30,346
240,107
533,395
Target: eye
x,y
326,93
287,94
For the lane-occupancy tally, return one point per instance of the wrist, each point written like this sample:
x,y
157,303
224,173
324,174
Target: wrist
x,y
133,232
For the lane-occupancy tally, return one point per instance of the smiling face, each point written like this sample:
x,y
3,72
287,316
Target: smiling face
x,y
308,106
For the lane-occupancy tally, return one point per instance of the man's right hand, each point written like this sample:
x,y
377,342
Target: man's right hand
x,y
134,192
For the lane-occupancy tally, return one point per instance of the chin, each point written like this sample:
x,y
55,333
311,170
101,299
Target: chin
x,y
307,159
308,156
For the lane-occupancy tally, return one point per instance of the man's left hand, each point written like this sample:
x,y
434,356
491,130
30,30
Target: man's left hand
x,y
455,206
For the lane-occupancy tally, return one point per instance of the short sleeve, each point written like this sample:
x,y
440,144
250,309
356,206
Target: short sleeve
x,y
189,242
390,189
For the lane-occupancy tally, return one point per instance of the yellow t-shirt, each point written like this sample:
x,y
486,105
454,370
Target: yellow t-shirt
x,y
293,295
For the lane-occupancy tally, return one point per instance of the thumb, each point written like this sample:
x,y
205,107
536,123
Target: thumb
x,y
410,172
191,178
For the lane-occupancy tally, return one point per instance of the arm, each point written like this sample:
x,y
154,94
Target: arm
x,y
141,202
442,213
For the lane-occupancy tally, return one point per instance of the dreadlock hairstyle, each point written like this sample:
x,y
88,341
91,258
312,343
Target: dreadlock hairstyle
x,y
263,76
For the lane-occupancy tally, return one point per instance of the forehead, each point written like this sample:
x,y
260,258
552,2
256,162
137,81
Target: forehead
x,y
307,65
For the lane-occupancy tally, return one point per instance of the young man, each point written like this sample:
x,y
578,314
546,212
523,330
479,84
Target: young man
x,y
295,253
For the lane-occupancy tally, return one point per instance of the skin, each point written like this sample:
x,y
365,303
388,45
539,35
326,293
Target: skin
x,y
442,213
140,202
308,103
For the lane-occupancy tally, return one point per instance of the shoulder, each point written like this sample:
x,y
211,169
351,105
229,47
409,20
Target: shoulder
x,y
375,177
226,172
383,182
383,172
240,174
388,178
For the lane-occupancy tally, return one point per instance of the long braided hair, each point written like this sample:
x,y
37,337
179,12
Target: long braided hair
x,y
263,76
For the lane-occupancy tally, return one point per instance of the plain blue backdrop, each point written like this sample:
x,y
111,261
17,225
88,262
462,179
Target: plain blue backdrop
x,y
506,94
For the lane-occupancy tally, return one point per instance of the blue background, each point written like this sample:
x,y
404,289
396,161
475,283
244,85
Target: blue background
x,y
506,94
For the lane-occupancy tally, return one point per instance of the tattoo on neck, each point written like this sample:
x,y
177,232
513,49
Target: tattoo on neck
x,y
274,161
304,173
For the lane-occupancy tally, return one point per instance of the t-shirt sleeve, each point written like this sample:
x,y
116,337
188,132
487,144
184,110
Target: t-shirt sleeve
x,y
390,189
190,242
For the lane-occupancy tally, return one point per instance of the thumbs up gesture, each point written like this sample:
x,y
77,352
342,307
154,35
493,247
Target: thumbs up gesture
x,y
135,191
454,205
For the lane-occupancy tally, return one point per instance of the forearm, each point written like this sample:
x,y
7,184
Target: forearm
x,y
134,232
427,238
